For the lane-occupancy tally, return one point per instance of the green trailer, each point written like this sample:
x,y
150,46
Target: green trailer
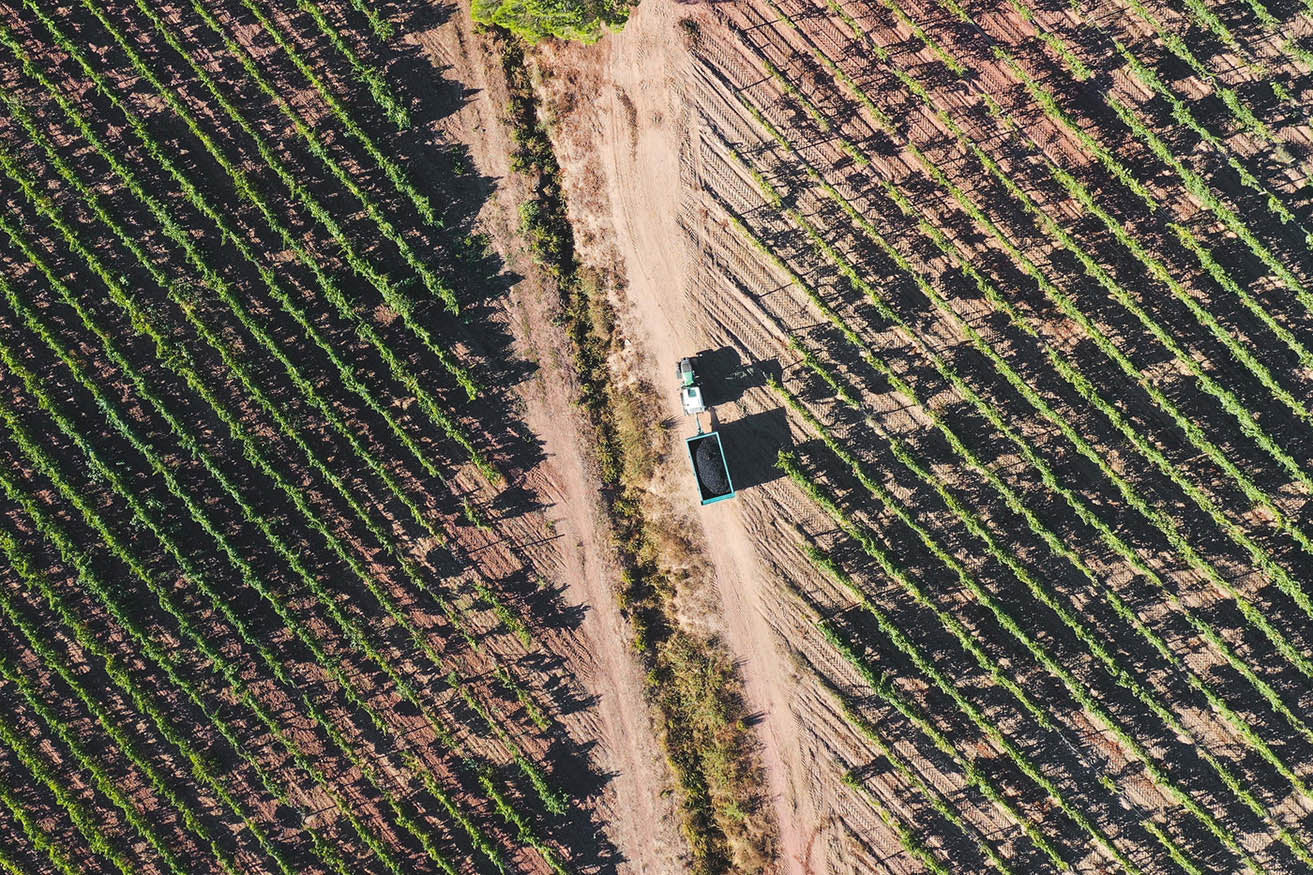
x,y
707,454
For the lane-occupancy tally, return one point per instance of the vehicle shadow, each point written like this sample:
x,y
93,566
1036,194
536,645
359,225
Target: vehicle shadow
x,y
724,377
752,444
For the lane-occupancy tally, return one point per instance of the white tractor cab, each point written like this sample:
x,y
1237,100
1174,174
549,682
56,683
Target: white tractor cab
x,y
690,394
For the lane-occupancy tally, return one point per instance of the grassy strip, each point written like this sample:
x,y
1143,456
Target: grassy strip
x,y
692,683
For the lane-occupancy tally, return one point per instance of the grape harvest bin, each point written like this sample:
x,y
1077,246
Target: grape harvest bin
x,y
709,468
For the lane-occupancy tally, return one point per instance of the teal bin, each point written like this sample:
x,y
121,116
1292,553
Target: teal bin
x,y
707,454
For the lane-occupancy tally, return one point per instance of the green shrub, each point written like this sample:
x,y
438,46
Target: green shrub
x,y
583,20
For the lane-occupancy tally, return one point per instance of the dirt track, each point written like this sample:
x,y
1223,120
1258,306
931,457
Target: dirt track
x,y
633,162
637,802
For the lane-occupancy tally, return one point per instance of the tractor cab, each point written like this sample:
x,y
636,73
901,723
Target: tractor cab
x,y
690,394
685,371
691,398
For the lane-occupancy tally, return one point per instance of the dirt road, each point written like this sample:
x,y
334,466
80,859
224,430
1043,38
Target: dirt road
x,y
637,174
637,803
